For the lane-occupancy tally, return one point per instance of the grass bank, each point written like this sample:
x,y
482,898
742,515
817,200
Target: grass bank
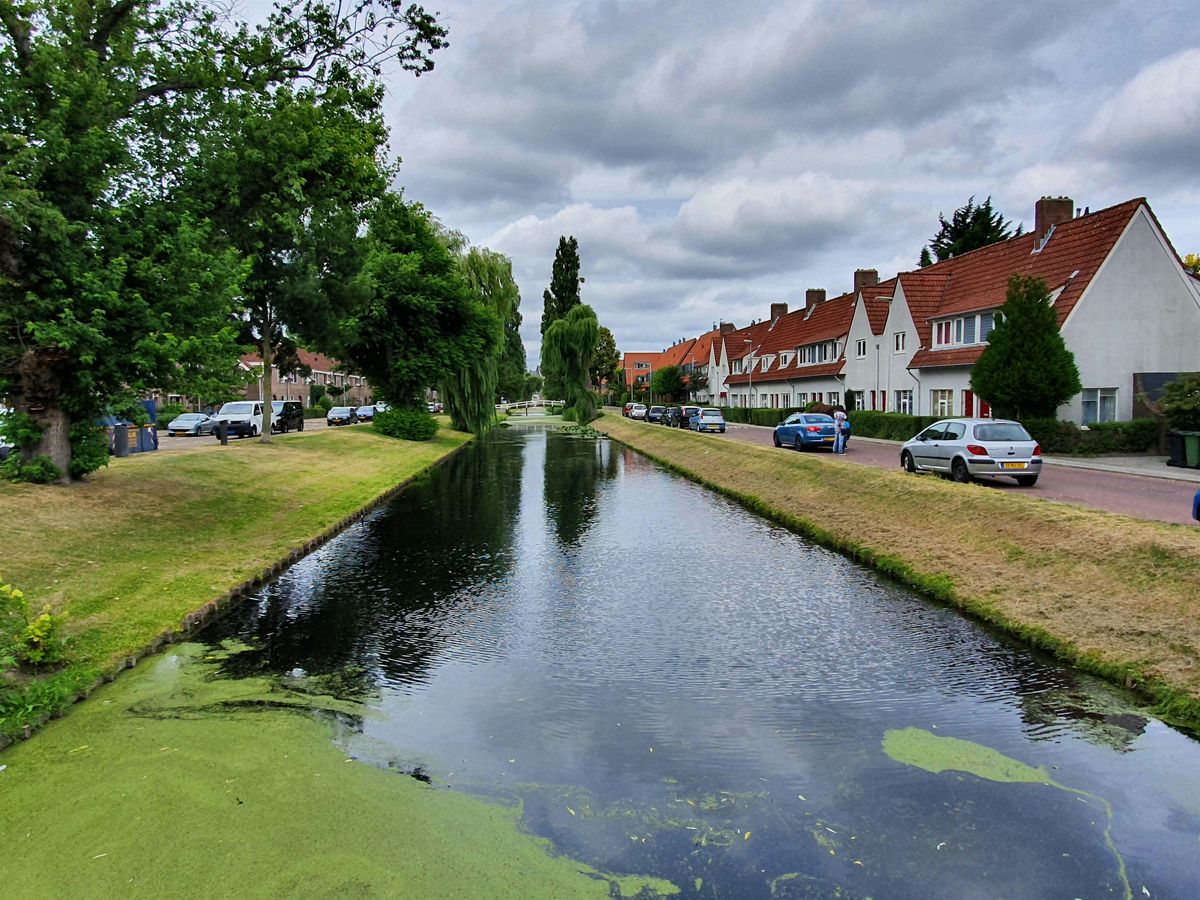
x,y
154,542
1117,596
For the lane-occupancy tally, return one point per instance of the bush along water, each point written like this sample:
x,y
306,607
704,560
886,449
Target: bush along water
x,y
406,424
27,639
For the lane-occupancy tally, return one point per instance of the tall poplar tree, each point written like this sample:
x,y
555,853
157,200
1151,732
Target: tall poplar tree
x,y
1026,368
557,300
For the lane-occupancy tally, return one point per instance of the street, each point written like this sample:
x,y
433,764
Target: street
x,y
167,442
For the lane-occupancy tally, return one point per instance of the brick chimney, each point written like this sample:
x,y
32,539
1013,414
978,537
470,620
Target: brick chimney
x,y
1050,211
727,327
777,310
813,296
865,278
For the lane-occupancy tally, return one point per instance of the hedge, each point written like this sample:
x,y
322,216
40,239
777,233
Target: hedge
x,y
1137,436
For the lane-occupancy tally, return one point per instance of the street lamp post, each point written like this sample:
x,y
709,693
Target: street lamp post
x,y
750,377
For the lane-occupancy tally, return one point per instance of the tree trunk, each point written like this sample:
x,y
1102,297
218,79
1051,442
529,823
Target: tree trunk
x,y
264,431
39,391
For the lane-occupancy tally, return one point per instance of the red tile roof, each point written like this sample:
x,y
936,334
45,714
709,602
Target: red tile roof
x,y
956,356
318,362
701,348
1070,258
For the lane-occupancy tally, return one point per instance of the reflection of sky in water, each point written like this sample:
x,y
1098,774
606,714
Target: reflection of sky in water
x,y
562,621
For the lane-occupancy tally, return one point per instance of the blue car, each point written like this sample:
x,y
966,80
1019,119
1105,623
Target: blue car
x,y
804,431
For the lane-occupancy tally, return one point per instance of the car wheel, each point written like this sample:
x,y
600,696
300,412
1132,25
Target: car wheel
x,y
798,444
300,427
959,471
1027,480
778,442
253,431
906,460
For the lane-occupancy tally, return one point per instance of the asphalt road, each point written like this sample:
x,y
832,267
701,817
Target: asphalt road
x,y
167,442
1142,496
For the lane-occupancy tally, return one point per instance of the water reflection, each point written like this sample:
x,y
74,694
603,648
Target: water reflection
x,y
670,684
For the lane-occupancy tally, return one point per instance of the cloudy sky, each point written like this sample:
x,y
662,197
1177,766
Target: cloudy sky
x,y
713,157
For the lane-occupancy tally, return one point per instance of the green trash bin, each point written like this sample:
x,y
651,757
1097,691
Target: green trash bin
x,y
1191,448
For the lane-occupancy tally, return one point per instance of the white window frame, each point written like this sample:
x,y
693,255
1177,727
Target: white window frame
x,y
1095,397
898,342
941,402
860,349
904,402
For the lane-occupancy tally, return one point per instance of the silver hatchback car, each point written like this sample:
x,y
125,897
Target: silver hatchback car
x,y
966,448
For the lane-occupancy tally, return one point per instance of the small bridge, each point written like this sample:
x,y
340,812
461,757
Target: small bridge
x,y
527,405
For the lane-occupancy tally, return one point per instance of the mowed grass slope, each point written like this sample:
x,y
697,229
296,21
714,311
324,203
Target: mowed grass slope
x,y
1116,595
143,543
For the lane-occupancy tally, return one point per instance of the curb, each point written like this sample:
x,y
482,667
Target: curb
x,y
215,608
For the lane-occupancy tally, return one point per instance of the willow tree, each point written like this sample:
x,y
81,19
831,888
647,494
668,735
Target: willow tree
x,y
470,389
567,349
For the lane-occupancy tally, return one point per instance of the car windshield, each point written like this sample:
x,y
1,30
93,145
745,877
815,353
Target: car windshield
x,y
818,418
1001,431
237,408
365,408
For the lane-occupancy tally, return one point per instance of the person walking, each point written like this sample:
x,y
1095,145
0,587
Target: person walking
x,y
839,427
1196,507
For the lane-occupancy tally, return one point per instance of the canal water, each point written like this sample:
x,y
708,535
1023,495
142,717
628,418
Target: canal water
x,y
668,684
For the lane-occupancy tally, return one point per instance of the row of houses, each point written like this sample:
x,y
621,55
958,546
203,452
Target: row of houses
x,y
1126,308
325,371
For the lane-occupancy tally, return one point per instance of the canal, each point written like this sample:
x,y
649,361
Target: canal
x,y
663,683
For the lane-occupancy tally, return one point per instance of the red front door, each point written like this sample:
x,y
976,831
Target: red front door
x,y
968,404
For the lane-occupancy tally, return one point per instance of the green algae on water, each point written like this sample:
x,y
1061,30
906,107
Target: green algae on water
x,y
936,754
172,782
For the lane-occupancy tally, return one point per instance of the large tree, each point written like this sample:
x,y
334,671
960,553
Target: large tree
x,y
567,348
102,103
668,382
470,389
423,320
1026,368
606,358
557,300
969,228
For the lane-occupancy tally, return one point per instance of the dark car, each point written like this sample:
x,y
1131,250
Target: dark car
x,y
670,416
341,415
685,415
288,416
655,414
804,431
365,413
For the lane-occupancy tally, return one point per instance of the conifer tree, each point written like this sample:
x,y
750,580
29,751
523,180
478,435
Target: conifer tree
x,y
1026,369
970,228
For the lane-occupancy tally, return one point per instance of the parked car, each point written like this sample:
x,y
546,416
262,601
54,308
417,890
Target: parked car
x,y
286,415
192,423
341,415
366,413
5,448
670,417
655,414
803,431
241,417
685,415
708,420
626,408
968,448
638,411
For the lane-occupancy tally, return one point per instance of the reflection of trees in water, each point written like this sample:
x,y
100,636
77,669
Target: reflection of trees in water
x,y
1098,718
575,469
389,593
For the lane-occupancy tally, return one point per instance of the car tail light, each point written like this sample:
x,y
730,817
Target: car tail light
x,y
976,450
1037,449
814,428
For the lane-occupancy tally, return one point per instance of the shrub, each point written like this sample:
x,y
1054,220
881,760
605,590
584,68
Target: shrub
x,y
169,411
314,412
568,414
34,641
39,470
325,402
1181,402
89,448
406,424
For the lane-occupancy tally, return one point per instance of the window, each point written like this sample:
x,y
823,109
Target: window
x,y
904,402
969,330
898,342
802,399
784,359
834,398
1099,405
986,323
785,400
860,349
958,331
941,335
941,403
860,401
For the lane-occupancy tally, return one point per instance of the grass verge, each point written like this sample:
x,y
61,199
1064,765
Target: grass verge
x,y
1113,595
152,544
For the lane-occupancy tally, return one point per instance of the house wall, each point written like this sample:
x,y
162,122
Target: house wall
x,y
953,378
1139,314
859,374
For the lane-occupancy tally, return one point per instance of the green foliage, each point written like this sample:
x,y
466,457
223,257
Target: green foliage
x,y
315,412
1099,439
21,431
315,393
606,359
888,425
697,382
26,638
406,423
1180,402
169,411
925,259
39,469
668,383
567,349
1026,369
568,414
557,300
970,228
89,448
325,404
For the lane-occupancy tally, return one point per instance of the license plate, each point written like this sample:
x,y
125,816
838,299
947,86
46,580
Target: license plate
x,y
1012,465
828,440
178,433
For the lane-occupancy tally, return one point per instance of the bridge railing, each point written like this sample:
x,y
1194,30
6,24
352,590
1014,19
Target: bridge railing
x,y
531,404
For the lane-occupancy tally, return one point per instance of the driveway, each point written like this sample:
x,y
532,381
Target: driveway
x,y
1166,497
